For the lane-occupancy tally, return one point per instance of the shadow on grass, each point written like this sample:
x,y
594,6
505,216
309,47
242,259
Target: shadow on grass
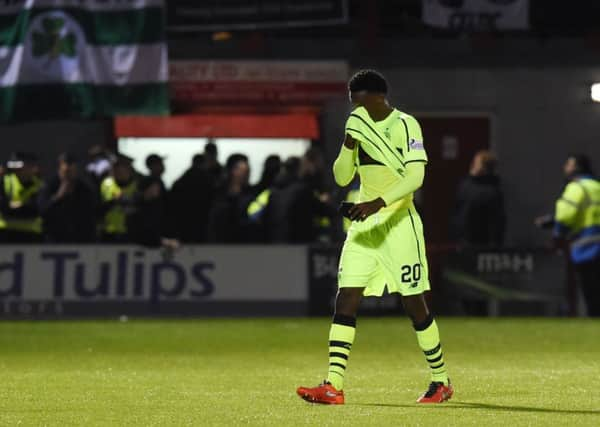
x,y
488,406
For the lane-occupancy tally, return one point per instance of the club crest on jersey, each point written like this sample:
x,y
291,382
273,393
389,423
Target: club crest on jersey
x,y
416,145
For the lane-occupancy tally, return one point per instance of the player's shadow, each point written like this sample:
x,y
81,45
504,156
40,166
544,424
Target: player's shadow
x,y
488,406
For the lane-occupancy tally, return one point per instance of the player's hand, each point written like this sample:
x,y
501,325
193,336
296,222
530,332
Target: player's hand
x,y
350,142
361,211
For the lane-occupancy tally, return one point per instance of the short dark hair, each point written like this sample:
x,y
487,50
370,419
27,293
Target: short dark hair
x,y
584,164
368,80
153,158
234,159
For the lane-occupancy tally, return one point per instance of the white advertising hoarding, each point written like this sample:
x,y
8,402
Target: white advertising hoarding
x,y
129,274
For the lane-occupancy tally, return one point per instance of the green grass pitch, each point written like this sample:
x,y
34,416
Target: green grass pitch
x,y
203,372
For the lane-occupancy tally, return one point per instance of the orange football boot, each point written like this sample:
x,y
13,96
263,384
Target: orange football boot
x,y
323,393
437,393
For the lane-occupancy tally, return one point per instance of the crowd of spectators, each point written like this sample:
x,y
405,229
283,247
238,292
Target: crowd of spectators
x,y
106,200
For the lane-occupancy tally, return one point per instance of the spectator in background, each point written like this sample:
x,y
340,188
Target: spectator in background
x,y
148,223
311,208
227,220
20,221
99,164
258,208
274,212
260,195
68,205
577,219
479,218
117,196
271,169
298,211
190,201
211,162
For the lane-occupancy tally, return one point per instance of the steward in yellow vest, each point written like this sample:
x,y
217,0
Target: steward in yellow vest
x,y
20,221
117,195
577,219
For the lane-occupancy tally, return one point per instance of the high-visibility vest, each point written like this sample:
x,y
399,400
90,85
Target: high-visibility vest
x,y
115,220
578,218
15,191
257,207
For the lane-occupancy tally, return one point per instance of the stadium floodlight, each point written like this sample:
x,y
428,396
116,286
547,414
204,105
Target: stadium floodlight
x,y
595,92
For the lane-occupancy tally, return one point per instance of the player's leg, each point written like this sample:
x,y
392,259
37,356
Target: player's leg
x,y
428,337
407,272
341,338
341,334
357,266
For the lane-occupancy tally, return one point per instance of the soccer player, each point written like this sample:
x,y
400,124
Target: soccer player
x,y
384,245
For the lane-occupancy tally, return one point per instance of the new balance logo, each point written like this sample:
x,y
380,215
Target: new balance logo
x,y
414,285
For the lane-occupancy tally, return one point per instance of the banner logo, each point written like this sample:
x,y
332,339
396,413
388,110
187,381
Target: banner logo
x,y
53,45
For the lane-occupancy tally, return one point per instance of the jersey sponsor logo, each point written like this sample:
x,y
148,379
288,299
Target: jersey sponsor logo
x,y
416,145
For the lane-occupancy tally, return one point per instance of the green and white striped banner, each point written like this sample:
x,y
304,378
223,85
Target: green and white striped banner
x,y
82,58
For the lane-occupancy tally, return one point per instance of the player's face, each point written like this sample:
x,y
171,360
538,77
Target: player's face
x,y
358,98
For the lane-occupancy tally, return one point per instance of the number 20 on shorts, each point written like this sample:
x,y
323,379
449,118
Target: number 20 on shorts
x,y
411,273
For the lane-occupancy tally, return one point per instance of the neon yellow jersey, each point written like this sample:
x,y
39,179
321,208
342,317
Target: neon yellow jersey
x,y
404,134
353,196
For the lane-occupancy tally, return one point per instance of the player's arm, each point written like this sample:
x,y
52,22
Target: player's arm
x,y
344,166
567,207
414,172
412,181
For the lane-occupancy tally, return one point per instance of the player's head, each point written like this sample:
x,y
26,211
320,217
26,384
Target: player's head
x,y
367,86
577,164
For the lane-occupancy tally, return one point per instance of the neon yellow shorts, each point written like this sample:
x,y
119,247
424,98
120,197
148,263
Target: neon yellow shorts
x,y
388,249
